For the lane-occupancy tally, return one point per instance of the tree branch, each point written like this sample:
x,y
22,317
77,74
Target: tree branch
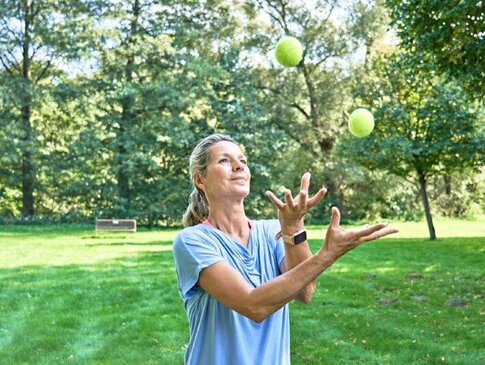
x,y
14,35
282,14
293,105
301,110
34,52
7,68
44,70
37,9
307,147
318,29
311,92
322,60
14,64
283,24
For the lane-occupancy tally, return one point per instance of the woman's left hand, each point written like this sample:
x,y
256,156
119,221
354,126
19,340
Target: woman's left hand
x,y
291,213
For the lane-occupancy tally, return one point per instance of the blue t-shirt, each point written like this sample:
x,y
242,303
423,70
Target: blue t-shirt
x,y
218,334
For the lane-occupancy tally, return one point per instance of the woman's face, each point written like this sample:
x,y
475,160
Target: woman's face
x,y
227,174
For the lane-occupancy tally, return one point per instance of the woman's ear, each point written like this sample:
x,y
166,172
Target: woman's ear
x,y
198,181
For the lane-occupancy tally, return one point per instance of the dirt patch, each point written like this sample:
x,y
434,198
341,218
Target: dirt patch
x,y
386,301
456,303
415,276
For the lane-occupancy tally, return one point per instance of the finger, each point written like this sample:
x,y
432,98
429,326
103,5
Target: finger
x,y
316,198
303,198
378,234
335,220
289,198
305,181
279,204
367,230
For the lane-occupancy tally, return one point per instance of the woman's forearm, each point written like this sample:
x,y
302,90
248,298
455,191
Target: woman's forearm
x,y
271,296
294,255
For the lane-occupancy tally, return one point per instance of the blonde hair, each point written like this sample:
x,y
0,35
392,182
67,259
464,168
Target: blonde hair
x,y
198,209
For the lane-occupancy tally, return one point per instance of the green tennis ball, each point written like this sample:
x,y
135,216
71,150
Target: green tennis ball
x,y
288,51
361,122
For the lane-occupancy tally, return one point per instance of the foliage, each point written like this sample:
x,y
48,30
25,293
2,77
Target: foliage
x,y
305,103
458,195
34,37
114,95
422,124
424,127
449,34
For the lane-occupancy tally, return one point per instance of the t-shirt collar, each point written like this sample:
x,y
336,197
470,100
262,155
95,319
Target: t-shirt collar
x,y
207,223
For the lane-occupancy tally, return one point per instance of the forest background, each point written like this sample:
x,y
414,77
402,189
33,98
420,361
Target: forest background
x,y
102,102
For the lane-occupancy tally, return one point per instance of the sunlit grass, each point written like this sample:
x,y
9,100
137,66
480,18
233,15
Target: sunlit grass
x,y
69,297
444,227
64,245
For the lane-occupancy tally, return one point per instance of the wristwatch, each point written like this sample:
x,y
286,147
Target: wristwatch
x,y
295,239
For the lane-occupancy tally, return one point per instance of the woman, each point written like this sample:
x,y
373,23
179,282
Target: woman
x,y
237,276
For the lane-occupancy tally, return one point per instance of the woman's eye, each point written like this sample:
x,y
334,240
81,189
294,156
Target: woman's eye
x,y
244,162
223,160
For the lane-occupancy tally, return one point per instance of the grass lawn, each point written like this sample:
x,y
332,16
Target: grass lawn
x,y
68,297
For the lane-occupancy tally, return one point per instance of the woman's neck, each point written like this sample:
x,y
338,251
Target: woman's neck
x,y
229,218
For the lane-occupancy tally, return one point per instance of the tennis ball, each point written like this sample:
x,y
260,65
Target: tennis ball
x,y
361,122
288,51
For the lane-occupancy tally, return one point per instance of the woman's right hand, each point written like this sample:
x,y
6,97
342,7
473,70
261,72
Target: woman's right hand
x,y
338,241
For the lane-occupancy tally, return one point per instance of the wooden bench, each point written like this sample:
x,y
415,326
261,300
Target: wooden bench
x,y
115,225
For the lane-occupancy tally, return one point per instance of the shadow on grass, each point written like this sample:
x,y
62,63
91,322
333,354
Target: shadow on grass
x,y
86,231
49,230
128,243
127,311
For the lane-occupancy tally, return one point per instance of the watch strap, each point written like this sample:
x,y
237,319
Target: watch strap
x,y
296,238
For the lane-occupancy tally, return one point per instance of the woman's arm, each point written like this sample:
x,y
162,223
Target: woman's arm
x,y
227,286
290,216
294,255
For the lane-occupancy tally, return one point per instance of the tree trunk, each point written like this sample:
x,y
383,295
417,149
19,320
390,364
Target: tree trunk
x,y
28,173
447,180
28,169
123,177
424,197
325,141
126,121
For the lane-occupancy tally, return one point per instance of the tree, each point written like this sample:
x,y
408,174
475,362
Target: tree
x,y
165,80
34,35
306,101
424,127
448,34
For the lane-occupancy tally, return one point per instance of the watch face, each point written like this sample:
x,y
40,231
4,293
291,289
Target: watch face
x,y
300,237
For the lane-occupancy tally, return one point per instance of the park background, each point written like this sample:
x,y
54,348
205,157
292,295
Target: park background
x,y
102,102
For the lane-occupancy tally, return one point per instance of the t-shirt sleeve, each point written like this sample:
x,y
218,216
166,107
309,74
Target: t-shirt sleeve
x,y
192,253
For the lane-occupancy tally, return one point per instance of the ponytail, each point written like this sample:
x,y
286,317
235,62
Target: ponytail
x,y
197,211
